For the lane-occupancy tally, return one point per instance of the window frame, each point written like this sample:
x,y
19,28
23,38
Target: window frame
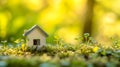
x,y
36,41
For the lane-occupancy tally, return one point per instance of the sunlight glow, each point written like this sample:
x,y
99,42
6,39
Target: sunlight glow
x,y
68,37
34,5
18,23
3,24
109,18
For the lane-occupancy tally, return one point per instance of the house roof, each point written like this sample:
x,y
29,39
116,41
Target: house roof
x,y
31,29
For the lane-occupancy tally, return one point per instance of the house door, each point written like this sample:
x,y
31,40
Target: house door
x,y
36,42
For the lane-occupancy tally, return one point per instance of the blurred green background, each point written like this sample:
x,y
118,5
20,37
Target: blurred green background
x,y
66,19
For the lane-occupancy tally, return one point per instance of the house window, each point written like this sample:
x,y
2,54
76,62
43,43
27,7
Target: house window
x,y
36,42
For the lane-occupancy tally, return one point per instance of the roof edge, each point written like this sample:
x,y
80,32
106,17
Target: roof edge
x,y
33,27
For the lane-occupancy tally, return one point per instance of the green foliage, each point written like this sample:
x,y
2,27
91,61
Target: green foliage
x,y
85,54
87,39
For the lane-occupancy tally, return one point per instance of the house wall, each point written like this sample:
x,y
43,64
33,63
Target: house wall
x,y
36,34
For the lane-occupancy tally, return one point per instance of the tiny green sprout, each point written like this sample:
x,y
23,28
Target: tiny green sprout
x,y
56,39
90,38
115,42
17,41
79,38
4,42
59,41
86,35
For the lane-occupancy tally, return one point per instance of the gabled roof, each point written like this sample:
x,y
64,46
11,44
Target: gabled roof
x,y
31,29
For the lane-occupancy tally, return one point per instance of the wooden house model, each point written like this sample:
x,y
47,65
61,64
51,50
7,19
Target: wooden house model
x,y
35,37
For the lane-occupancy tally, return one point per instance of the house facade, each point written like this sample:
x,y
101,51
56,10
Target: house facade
x,y
35,37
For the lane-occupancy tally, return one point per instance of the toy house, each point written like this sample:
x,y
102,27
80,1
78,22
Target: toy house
x,y
35,37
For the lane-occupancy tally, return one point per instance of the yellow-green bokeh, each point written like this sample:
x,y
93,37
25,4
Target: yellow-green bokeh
x,y
58,17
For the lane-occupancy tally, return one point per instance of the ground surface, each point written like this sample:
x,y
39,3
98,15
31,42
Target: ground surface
x,y
86,54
